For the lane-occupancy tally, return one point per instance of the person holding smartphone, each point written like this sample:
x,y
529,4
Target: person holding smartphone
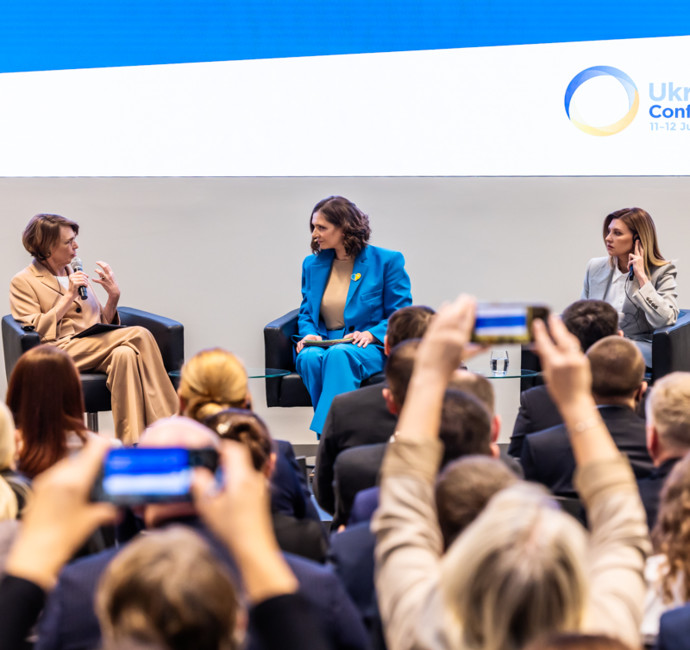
x,y
634,277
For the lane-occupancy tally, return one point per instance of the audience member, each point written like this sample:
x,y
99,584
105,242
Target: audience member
x,y
674,629
303,537
522,568
577,642
668,435
588,321
214,380
45,396
668,570
69,620
14,488
618,384
364,416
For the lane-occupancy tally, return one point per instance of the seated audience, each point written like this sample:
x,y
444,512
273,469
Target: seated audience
x,y
522,568
668,435
304,537
674,629
69,620
214,380
617,386
589,321
45,396
668,570
62,516
367,415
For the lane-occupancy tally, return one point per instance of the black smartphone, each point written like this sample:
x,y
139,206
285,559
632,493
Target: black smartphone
x,y
506,322
137,475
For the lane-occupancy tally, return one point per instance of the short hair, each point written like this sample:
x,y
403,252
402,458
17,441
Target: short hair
x,y
617,367
43,232
168,589
641,224
668,408
246,427
671,534
463,489
211,381
408,323
465,426
343,214
590,320
45,396
516,572
477,385
399,367
573,641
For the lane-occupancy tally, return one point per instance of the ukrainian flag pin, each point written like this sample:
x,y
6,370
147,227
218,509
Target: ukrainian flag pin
x,y
356,276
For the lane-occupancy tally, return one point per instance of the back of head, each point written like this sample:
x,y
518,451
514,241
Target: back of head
x,y
577,642
617,367
668,409
465,426
211,381
245,427
399,367
408,323
463,489
590,320
45,396
474,384
516,572
167,589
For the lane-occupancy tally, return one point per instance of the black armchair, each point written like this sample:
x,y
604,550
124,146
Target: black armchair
x,y
288,390
169,335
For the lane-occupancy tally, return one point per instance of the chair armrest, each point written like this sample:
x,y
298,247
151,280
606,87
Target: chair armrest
x,y
671,347
16,341
169,334
278,345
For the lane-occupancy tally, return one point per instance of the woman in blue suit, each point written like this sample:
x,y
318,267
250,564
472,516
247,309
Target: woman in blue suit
x,y
349,289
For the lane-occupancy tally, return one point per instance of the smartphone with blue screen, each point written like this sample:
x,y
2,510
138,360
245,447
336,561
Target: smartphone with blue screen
x,y
506,322
137,475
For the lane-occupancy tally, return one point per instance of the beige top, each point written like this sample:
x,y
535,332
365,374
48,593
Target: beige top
x,y
335,294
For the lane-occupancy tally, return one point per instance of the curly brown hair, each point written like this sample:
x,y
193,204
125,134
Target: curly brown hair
x,y
671,533
344,214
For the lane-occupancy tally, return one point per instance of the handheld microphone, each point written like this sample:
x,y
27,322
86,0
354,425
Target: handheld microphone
x,y
77,266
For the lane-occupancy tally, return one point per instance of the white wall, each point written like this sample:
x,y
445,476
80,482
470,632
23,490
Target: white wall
x,y
223,255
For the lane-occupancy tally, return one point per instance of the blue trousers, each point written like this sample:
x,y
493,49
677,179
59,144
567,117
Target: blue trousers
x,y
327,372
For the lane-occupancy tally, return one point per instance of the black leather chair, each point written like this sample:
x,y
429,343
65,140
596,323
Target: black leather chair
x,y
289,390
670,351
169,335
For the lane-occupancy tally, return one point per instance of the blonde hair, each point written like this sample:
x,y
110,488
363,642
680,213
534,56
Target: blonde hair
x,y
168,589
668,408
212,381
516,572
8,450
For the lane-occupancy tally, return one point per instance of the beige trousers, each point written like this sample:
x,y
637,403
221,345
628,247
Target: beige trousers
x,y
141,389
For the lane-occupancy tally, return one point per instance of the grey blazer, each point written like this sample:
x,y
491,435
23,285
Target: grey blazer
x,y
645,309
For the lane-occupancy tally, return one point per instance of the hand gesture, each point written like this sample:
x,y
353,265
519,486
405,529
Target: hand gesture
x,y
308,337
77,279
361,339
636,261
107,280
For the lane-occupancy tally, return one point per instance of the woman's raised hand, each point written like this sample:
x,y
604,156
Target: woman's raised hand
x,y
636,259
107,279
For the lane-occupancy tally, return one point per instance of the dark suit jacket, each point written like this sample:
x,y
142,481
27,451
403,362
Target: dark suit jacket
x,y
536,413
674,629
547,456
356,469
69,621
356,418
289,490
650,489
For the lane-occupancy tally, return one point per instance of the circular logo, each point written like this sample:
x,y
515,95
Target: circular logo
x,y
597,71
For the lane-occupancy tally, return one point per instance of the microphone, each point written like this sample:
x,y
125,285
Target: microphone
x,y
77,266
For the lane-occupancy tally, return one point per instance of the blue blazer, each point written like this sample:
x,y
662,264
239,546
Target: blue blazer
x,y
379,286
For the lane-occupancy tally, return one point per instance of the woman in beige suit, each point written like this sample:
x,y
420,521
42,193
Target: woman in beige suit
x,y
46,296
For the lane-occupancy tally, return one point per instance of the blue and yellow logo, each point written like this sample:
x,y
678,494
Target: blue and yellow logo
x,y
625,81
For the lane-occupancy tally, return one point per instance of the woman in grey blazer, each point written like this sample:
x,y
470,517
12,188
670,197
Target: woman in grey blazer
x,y
634,277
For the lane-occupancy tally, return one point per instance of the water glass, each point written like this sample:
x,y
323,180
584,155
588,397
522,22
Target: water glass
x,y
498,363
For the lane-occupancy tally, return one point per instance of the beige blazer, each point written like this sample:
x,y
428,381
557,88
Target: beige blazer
x,y
34,294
